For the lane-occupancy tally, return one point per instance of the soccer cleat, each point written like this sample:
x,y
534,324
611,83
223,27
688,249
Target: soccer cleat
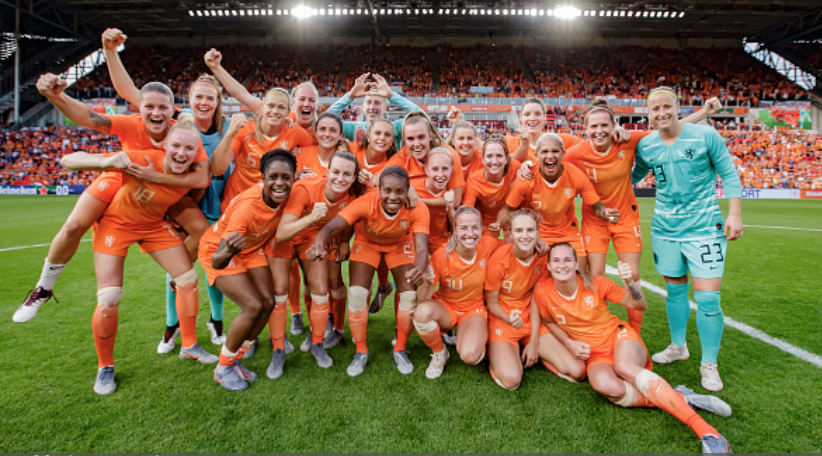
x,y
704,402
333,339
715,444
297,324
306,345
218,337
198,353
437,365
357,365
673,353
450,338
32,304
275,369
229,379
167,342
105,381
319,354
252,349
329,327
289,347
244,373
710,377
380,297
403,363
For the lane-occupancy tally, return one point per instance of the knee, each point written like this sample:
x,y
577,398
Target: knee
x,y
577,372
268,304
73,229
624,370
472,355
357,298
424,313
508,380
610,387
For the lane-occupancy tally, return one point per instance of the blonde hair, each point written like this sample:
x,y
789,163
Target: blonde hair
x,y
185,121
258,124
545,137
218,120
457,126
416,117
453,241
441,150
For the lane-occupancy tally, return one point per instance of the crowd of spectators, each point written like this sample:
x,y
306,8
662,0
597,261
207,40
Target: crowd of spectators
x,y
496,68
400,66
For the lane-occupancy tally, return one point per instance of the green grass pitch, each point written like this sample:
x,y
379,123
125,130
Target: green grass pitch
x,y
164,404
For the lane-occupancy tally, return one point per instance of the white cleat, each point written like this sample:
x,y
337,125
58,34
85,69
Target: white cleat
x,y
710,377
167,341
437,365
31,305
673,353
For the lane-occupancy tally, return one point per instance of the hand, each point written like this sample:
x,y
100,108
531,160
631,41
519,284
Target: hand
x,y
288,122
319,211
429,275
414,276
494,228
531,354
235,243
361,87
621,135
120,160
304,174
383,89
213,59
51,86
580,350
542,247
412,198
238,121
343,252
113,38
514,319
146,173
733,227
713,105
522,134
625,272
316,253
366,178
524,172
454,115
449,198
611,215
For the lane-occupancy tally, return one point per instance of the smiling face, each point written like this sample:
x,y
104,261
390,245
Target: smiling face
x,y
305,106
465,142
438,168
525,233
328,133
274,110
532,117
549,155
662,110
417,140
181,147
468,230
381,136
494,159
277,182
562,263
156,109
204,101
600,128
374,106
341,175
393,193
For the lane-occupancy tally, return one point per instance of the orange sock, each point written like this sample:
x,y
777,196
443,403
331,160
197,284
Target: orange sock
x,y
244,348
276,323
338,306
658,392
318,316
227,358
104,328
294,289
635,320
187,307
308,301
405,325
358,321
432,338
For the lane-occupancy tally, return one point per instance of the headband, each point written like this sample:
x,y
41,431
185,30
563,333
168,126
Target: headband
x,y
601,109
204,83
440,151
663,89
280,91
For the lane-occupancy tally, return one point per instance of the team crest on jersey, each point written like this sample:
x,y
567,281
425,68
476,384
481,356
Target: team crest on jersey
x,y
569,193
621,155
689,153
536,270
283,144
404,224
482,263
589,301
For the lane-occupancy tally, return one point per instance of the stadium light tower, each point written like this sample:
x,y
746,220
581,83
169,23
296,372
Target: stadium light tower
x,y
567,12
301,12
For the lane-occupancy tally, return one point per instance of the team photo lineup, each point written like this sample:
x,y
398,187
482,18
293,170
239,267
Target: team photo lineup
x,y
480,238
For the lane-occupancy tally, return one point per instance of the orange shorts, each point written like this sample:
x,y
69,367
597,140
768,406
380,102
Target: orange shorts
x,y
301,244
396,255
276,249
458,316
604,353
105,186
573,238
241,262
115,239
626,235
500,331
435,244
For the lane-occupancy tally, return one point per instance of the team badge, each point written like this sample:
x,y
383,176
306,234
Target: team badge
x,y
110,240
404,224
569,193
589,301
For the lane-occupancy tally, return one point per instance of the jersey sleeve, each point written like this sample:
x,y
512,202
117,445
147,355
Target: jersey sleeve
x,y
641,167
239,221
298,200
723,163
339,106
610,291
301,137
201,156
496,272
404,104
121,125
237,143
422,220
457,179
469,196
517,194
438,264
541,297
360,208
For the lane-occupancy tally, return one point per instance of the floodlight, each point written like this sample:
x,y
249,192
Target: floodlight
x,y
301,11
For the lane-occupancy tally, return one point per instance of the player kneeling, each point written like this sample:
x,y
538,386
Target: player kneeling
x,y
574,305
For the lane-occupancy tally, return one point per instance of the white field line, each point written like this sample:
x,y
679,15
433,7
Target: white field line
x,y
804,355
783,228
32,246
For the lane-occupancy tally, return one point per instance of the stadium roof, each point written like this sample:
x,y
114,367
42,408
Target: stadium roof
x,y
712,19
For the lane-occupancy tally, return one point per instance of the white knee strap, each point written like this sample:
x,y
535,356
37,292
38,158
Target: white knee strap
x,y
109,296
279,299
187,278
644,379
339,293
357,298
319,299
424,328
630,396
503,386
408,301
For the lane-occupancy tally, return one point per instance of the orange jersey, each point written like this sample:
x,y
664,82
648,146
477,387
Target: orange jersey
x,y
248,152
585,316
416,170
309,160
372,224
293,116
610,173
489,197
461,281
304,194
248,215
514,279
142,205
373,168
554,202
437,215
513,142
474,167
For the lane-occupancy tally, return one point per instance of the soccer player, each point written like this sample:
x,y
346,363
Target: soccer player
x,y
688,232
376,97
314,202
313,160
374,150
551,194
385,229
460,270
234,255
142,131
574,305
135,215
464,140
532,125
439,165
513,271
488,190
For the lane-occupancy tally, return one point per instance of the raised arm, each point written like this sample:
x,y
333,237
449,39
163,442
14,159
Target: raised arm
x,y
52,87
291,225
84,161
112,39
213,60
712,106
634,299
223,154
359,89
394,98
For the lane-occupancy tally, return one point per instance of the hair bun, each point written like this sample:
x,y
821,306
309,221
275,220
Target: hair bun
x,y
185,119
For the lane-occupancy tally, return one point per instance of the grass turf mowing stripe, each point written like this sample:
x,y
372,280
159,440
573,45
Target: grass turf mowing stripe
x,y
782,228
804,355
32,246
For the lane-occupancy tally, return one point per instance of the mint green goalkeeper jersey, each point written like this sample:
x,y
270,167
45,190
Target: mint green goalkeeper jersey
x,y
686,208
